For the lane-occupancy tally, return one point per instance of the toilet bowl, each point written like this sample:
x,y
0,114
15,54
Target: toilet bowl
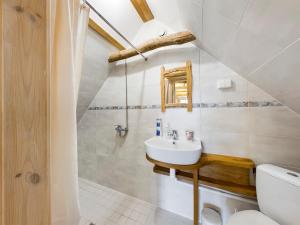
x,y
278,195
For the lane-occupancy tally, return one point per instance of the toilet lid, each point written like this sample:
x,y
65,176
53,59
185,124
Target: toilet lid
x,y
250,217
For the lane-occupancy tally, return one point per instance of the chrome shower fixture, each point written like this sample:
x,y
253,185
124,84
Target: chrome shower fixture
x,y
120,130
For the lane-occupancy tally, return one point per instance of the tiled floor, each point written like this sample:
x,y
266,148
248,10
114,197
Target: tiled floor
x,y
104,206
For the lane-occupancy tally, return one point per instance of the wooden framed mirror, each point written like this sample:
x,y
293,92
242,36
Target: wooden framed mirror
x,y
176,87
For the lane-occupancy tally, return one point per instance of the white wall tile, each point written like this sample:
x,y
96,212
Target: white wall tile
x,y
280,77
218,30
257,94
94,72
227,120
275,20
262,134
274,122
224,143
275,150
247,35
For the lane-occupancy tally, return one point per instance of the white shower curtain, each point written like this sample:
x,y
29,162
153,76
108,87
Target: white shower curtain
x,y
68,28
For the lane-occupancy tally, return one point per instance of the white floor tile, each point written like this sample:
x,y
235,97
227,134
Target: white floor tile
x,y
103,206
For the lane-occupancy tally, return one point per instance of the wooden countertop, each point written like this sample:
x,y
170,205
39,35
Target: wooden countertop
x,y
227,173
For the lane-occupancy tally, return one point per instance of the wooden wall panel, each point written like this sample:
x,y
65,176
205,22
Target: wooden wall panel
x,y
231,174
25,117
1,127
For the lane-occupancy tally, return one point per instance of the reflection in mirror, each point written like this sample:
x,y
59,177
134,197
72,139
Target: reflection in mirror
x,y
176,87
176,91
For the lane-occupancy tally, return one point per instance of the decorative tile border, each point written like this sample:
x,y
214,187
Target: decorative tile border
x,y
195,105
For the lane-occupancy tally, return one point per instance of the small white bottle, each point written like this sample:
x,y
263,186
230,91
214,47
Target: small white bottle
x,y
159,127
167,130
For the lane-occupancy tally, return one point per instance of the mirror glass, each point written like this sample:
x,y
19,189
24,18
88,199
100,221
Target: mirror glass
x,y
176,87
176,91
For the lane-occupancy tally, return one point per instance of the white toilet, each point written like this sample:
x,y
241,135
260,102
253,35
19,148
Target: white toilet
x,y
278,195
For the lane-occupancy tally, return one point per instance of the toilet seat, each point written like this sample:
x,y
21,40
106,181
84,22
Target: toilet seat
x,y
250,217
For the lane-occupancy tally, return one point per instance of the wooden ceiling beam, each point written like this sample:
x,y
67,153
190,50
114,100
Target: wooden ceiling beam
x,y
104,34
168,40
143,10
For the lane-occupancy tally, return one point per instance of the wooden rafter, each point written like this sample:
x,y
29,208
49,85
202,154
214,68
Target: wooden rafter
x,y
172,39
143,10
105,35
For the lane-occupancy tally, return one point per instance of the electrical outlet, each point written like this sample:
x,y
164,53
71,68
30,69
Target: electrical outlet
x,y
224,84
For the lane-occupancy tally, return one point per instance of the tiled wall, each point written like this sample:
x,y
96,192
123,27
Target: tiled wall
x,y
262,132
259,39
241,121
266,134
95,70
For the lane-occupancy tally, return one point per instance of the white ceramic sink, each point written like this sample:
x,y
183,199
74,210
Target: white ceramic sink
x,y
180,152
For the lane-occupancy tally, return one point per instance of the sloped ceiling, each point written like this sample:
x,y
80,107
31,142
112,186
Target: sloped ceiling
x,y
121,14
259,39
95,70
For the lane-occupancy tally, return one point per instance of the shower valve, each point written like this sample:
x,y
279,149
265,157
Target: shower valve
x,y
119,129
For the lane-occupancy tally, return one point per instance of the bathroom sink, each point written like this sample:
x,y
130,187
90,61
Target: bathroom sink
x,y
180,152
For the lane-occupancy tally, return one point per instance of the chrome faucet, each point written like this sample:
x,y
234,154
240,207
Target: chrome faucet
x,y
119,129
174,134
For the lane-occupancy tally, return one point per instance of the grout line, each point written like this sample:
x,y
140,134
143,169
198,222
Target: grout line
x,y
244,13
132,214
269,61
202,28
273,57
236,32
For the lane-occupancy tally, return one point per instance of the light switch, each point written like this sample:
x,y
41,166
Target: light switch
x,y
224,84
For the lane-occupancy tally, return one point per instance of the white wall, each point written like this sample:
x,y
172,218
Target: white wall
x,y
95,70
259,39
264,134
177,197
